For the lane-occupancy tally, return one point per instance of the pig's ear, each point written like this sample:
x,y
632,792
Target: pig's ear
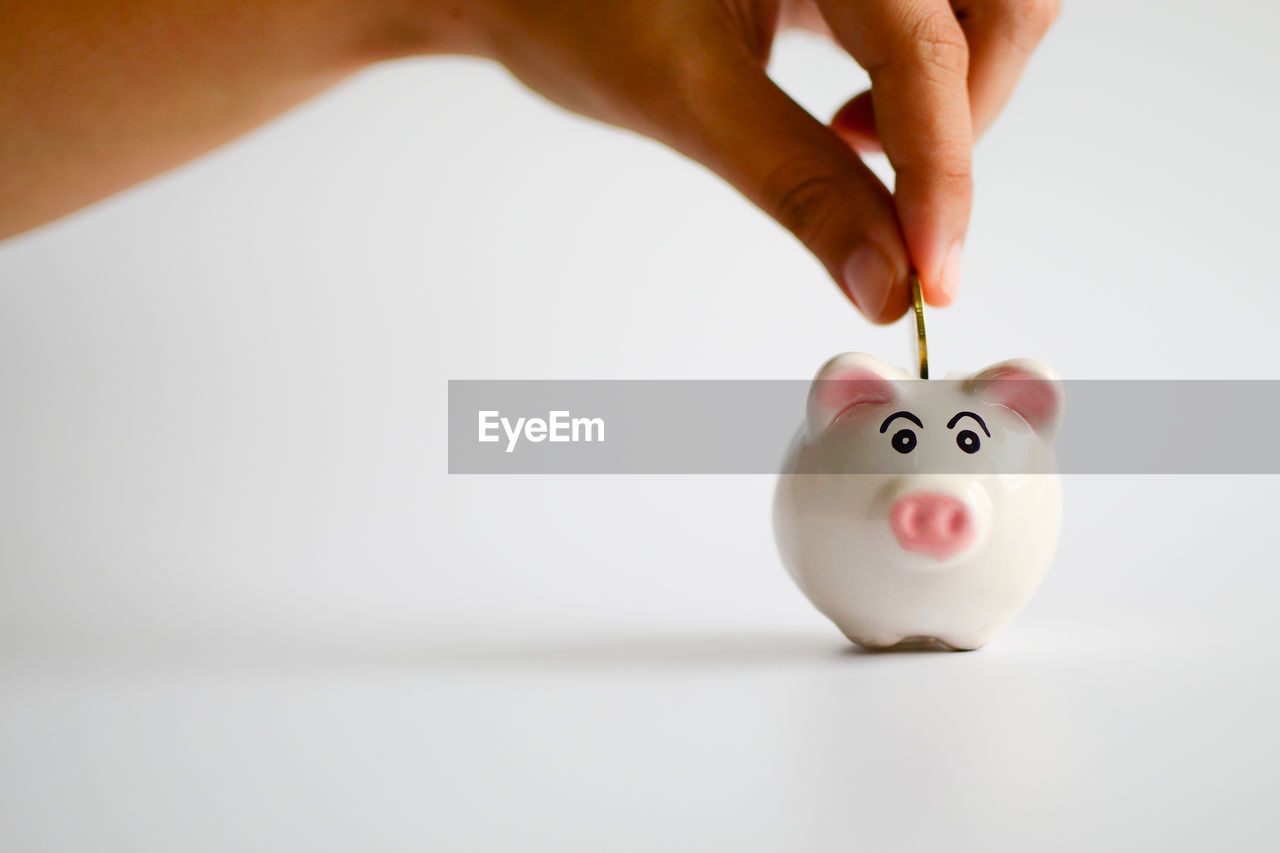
x,y
1026,386
849,380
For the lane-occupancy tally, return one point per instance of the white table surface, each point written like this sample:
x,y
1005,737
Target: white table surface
x,y
1132,706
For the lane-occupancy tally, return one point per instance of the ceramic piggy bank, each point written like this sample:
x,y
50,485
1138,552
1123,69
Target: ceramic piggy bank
x,y
922,511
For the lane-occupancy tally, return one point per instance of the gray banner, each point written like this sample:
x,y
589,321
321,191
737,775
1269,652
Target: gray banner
x,y
745,426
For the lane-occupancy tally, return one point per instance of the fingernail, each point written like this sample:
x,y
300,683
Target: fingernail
x,y
951,271
868,277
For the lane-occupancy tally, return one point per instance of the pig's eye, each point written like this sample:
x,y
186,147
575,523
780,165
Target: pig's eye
x,y
904,441
967,440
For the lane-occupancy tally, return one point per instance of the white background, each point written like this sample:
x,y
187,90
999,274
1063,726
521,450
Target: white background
x,y
243,606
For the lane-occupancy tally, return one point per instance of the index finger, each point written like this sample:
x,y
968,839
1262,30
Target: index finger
x,y
918,59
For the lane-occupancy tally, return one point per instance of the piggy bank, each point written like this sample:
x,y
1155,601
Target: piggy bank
x,y
922,511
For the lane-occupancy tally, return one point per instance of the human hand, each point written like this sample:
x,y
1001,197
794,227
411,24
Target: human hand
x,y
691,73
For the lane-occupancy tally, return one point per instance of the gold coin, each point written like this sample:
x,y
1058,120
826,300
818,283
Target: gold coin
x,y
922,344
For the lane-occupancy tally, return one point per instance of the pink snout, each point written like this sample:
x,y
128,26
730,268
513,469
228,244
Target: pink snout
x,y
931,523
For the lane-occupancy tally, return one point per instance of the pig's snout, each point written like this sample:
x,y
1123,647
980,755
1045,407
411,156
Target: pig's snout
x,y
933,524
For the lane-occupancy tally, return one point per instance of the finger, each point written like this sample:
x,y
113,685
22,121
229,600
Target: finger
x,y
1002,35
855,123
802,15
797,170
916,55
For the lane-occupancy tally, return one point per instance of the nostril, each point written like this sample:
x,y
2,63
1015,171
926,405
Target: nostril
x,y
911,518
905,519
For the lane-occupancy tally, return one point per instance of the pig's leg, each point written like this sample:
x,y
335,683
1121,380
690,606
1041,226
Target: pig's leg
x,y
874,639
970,641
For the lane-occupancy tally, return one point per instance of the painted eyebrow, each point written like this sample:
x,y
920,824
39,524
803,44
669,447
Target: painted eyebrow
x,y
884,426
951,423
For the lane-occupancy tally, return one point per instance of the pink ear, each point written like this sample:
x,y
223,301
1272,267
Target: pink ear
x,y
1027,387
847,381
